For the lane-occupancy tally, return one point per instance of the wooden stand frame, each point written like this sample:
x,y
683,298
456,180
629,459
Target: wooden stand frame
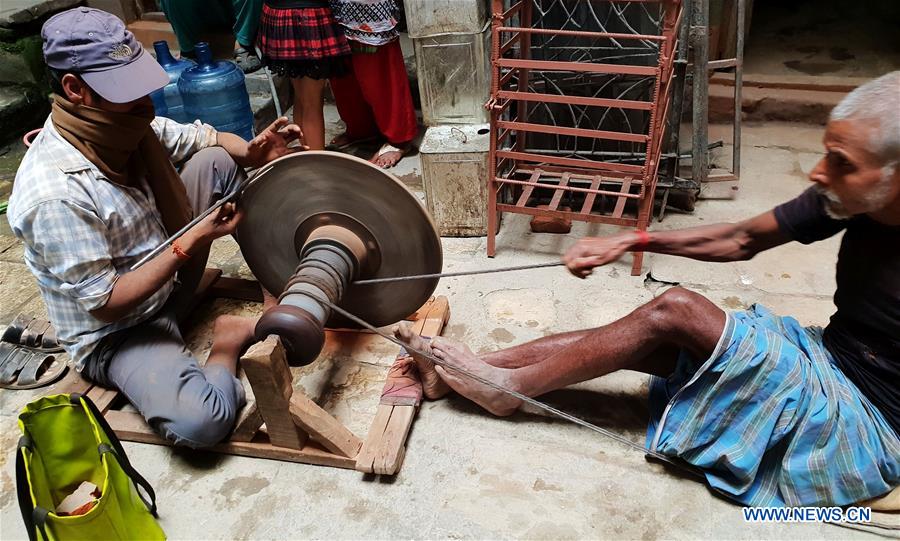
x,y
295,428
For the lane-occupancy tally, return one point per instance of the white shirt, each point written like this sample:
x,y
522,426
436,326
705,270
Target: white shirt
x,y
81,231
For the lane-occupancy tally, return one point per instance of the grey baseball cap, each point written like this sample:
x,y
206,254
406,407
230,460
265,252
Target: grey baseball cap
x,y
97,46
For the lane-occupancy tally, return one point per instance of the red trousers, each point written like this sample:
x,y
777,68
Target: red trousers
x,y
375,98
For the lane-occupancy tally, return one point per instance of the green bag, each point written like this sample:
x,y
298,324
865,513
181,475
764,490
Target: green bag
x,y
66,441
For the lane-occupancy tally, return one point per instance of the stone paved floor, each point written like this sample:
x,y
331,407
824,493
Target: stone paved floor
x,y
466,474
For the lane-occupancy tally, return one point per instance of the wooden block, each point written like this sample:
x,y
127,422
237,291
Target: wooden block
x,y
365,460
102,397
551,224
148,32
72,382
323,427
248,423
131,426
269,375
227,287
421,312
393,441
437,317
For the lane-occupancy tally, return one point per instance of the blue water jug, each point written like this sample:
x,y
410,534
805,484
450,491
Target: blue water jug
x,y
214,92
167,100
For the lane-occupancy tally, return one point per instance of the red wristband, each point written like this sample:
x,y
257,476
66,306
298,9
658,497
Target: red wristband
x,y
643,240
179,253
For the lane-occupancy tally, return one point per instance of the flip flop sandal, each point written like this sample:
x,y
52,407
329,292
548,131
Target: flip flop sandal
x,y
36,334
39,369
14,364
246,60
8,359
13,333
343,146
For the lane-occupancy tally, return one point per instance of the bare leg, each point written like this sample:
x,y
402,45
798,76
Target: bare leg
x,y
432,385
644,340
534,351
231,334
308,113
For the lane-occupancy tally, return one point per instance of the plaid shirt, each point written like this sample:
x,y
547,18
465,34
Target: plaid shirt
x,y
82,231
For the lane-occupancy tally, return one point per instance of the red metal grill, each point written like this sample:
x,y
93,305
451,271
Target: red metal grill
x,y
578,116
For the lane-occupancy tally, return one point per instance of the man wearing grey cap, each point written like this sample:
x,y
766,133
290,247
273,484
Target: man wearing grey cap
x,y
97,191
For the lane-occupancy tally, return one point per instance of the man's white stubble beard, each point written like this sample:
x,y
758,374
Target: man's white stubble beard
x,y
875,200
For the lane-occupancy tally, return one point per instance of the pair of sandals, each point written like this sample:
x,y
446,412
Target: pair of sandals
x,y
29,354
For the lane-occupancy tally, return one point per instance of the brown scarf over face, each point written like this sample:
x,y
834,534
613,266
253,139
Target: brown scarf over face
x,y
124,146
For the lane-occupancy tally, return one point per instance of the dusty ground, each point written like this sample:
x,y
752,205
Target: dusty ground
x,y
466,474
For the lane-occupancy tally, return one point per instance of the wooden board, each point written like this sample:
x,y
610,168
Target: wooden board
x,y
322,427
383,450
266,368
236,288
385,445
132,427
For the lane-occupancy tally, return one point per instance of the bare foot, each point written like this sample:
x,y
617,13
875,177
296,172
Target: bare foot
x,y
388,158
458,354
231,334
432,384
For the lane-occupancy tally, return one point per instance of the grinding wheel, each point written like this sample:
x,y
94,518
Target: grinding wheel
x,y
311,189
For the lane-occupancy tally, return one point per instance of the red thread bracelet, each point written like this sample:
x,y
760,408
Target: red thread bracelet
x,y
643,239
179,253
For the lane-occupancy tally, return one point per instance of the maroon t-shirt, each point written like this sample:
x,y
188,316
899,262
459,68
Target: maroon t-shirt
x,y
864,334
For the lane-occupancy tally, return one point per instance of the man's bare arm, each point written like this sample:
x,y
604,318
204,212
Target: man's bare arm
x,y
133,288
718,242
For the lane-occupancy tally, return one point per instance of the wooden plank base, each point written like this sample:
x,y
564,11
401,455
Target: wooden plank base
x,y
385,446
132,427
382,451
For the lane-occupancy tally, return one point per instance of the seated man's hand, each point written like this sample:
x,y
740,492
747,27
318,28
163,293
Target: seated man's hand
x,y
272,143
218,224
591,252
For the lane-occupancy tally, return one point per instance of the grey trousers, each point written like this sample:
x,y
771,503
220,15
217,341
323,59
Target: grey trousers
x,y
150,363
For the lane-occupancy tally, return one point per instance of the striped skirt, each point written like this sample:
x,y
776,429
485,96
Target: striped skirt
x,y
772,421
302,42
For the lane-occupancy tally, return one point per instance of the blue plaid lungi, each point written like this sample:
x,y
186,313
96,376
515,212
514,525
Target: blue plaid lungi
x,y
772,421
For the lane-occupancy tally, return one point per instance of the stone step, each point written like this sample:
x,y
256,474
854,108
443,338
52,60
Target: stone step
x,y
782,104
22,12
22,108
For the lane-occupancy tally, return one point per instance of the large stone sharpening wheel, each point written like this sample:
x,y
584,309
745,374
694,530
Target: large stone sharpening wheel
x,y
341,217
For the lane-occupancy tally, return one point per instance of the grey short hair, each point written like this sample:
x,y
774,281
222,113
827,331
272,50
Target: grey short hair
x,y
876,102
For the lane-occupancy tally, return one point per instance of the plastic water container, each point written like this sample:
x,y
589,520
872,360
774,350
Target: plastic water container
x,y
214,91
167,100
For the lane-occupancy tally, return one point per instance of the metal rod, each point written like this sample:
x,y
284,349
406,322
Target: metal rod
x,y
272,89
524,398
452,274
738,89
580,33
218,204
567,188
699,36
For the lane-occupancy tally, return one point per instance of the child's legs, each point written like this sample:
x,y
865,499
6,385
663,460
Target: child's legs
x,y
308,113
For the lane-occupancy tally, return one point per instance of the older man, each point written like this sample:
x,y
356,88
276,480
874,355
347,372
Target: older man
x,y
97,191
774,413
